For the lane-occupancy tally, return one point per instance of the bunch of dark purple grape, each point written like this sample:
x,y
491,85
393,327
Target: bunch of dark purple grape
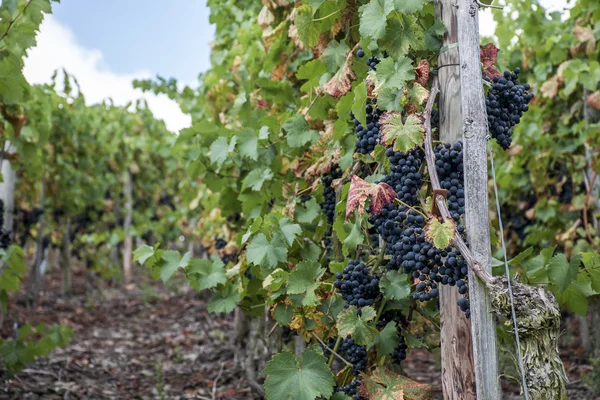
x,y
506,102
356,284
369,135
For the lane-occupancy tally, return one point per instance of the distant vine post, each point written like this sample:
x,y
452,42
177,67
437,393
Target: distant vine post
x,y
458,378
475,130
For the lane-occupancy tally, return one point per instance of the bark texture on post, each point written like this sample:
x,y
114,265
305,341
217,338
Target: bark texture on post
x,y
128,242
458,376
485,348
35,275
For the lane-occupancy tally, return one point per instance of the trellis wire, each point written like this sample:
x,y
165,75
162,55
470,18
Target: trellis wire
x,y
510,293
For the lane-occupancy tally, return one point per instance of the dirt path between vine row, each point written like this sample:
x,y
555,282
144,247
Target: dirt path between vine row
x,y
153,342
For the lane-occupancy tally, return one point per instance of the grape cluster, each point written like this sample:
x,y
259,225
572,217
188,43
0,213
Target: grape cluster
x,y
369,135
351,389
356,284
354,354
402,227
371,61
328,204
405,177
220,243
506,102
449,166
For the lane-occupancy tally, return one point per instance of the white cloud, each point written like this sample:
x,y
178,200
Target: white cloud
x,y
58,48
487,25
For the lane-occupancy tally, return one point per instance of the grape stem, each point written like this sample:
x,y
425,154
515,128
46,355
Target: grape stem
x,y
333,352
380,311
379,258
439,199
335,347
411,207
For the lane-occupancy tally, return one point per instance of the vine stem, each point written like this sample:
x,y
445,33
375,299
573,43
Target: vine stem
x,y
380,310
411,207
335,347
475,265
379,258
333,352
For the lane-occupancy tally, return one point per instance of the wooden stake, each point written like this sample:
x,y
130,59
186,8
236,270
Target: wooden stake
x,y
475,130
458,374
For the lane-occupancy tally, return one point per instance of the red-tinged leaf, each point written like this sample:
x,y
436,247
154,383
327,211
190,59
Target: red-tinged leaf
x,y
594,100
341,82
489,55
422,73
361,190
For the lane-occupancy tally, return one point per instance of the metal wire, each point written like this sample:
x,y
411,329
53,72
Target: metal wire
x,y
510,293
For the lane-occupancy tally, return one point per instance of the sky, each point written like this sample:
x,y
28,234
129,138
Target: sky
x,y
107,44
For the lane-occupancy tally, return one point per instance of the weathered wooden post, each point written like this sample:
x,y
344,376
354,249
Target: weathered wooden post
x,y
458,377
475,130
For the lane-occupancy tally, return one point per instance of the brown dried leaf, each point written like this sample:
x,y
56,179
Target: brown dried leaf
x,y
585,35
341,83
489,55
550,87
384,384
422,73
594,100
361,190
265,17
321,157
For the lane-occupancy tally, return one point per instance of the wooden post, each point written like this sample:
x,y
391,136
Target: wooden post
x,y
458,376
475,130
128,242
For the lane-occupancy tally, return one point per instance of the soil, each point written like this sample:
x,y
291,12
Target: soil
x,y
153,341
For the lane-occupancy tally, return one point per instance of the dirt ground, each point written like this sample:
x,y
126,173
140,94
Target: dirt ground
x,y
157,342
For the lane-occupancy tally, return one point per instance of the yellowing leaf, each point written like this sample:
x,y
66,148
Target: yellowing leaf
x,y
441,234
403,135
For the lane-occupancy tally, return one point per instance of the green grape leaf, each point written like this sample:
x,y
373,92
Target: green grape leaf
x,y
267,254
404,136
308,29
219,150
275,280
387,340
307,213
360,103
575,297
283,313
303,277
391,74
335,55
402,34
562,272
248,144
143,253
298,132
591,261
408,6
209,273
256,178
293,379
224,301
440,234
289,230
355,238
312,72
394,285
373,17
172,261
349,323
